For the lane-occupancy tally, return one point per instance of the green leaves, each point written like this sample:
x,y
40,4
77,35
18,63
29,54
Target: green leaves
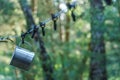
x,y
6,10
6,7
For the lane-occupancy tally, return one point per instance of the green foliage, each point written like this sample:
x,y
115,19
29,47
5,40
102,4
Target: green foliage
x,y
6,7
6,10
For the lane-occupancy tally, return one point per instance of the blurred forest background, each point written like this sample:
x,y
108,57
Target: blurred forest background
x,y
88,48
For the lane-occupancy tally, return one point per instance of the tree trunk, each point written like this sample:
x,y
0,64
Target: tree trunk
x,y
67,28
60,31
44,57
34,5
98,57
118,6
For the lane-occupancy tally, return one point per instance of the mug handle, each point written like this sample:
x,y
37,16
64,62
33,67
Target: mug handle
x,y
24,42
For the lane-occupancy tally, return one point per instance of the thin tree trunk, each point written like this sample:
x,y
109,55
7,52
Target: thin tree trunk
x,y
67,51
16,74
67,28
118,6
34,5
44,57
50,5
82,66
98,57
60,31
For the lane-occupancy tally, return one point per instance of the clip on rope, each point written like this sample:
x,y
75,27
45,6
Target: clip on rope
x,y
72,8
42,25
54,18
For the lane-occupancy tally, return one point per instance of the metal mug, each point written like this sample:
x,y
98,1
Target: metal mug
x,y
22,58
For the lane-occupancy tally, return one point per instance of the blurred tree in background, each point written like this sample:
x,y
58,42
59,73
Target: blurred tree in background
x,y
97,45
85,49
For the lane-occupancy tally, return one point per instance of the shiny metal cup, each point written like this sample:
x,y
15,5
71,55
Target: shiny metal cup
x,y
22,58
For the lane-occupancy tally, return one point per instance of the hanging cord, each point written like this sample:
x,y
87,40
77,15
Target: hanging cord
x,y
50,19
31,30
7,38
42,24
55,16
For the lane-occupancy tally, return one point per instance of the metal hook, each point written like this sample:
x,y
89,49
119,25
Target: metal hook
x,y
23,37
24,42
